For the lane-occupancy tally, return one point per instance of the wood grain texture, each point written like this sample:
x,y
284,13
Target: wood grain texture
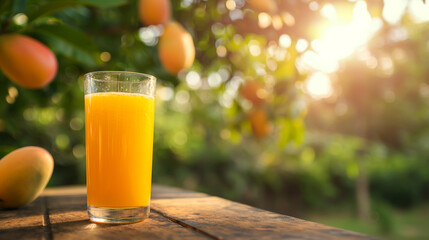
x,y
69,219
60,213
23,223
164,192
226,219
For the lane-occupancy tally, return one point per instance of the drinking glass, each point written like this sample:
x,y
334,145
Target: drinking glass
x,y
119,120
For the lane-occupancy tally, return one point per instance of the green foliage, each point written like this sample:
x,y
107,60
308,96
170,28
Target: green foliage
x,y
401,182
44,8
400,224
383,214
70,42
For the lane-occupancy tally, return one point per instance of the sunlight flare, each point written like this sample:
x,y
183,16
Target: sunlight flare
x,y
319,86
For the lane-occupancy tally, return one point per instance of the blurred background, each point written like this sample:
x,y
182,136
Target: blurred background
x,y
314,109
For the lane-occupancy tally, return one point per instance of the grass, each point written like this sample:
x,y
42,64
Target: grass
x,y
387,223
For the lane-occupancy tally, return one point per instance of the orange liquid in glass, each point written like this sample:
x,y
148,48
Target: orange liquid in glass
x,y
119,144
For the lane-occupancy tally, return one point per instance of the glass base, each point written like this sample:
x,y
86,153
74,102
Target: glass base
x,y
117,215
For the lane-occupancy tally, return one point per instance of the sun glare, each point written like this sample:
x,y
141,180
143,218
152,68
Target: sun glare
x,y
340,40
319,86
337,41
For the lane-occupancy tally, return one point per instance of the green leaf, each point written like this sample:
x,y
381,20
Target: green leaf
x,y
286,67
5,6
70,42
285,132
104,3
18,6
299,130
51,7
55,6
290,131
69,34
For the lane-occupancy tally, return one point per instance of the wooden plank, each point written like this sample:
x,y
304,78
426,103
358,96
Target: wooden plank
x,y
64,191
176,214
164,192
69,219
23,223
226,219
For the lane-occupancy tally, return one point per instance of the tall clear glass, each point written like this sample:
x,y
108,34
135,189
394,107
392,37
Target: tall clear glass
x,y
119,120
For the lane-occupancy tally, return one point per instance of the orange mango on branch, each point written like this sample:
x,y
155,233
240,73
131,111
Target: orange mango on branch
x,y
176,48
268,6
261,127
26,61
254,92
154,12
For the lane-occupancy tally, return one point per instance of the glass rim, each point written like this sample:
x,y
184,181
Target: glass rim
x,y
147,77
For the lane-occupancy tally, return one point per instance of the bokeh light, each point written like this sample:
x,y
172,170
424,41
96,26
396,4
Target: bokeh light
x,y
318,85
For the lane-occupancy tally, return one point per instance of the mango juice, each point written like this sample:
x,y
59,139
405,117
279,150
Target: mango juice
x,y
119,144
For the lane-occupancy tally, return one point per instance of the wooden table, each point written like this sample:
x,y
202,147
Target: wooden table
x,y
60,213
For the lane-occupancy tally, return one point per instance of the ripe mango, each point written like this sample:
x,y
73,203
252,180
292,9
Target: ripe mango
x,y
154,12
26,61
268,6
24,173
254,92
261,127
176,48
